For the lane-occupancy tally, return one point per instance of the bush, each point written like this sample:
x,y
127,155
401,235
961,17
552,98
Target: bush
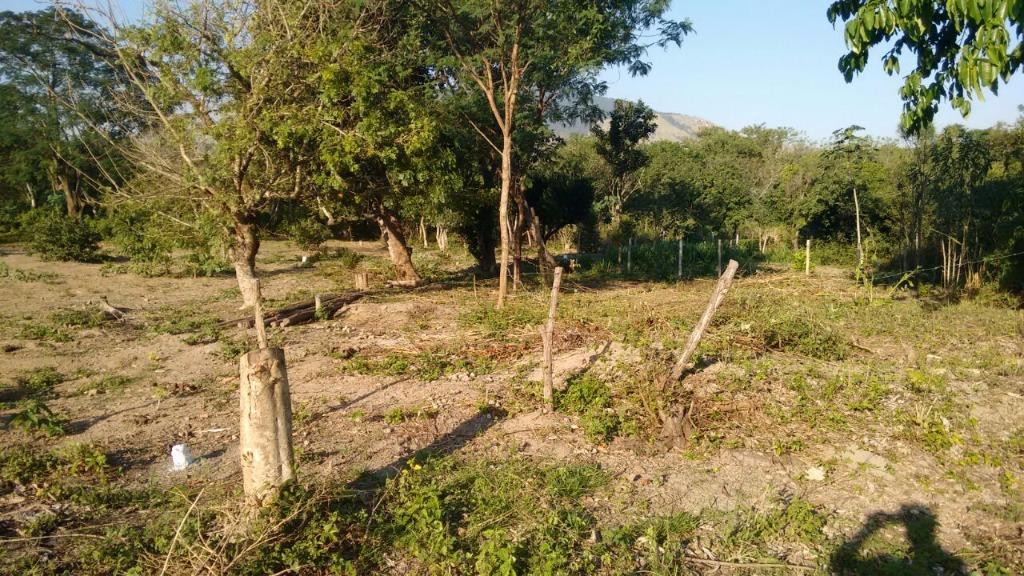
x,y
54,236
137,235
308,234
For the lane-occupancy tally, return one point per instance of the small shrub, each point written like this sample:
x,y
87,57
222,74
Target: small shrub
x,y
308,234
137,235
785,326
35,416
591,400
82,318
348,259
38,382
54,236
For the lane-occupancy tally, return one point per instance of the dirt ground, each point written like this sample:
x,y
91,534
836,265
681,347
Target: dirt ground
x,y
942,438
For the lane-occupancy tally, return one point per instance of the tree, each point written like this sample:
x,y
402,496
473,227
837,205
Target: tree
x,y
962,48
544,52
44,57
372,104
619,146
214,78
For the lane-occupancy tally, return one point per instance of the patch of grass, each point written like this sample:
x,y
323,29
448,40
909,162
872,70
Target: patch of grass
x,y
776,324
44,332
78,317
346,258
20,275
400,415
105,385
516,315
493,517
590,398
33,415
35,384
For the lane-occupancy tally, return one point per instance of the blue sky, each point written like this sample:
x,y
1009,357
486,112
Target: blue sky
x,y
762,61
775,62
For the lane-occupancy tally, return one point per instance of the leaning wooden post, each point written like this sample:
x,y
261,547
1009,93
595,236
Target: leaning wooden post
x,y
318,307
724,282
807,259
547,333
265,428
719,256
679,261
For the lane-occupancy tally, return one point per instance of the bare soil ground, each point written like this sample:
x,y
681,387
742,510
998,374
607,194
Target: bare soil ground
x,y
874,409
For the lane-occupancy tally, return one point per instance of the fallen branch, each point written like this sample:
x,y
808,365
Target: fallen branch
x,y
331,305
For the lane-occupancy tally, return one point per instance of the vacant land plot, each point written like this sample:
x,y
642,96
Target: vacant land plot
x,y
834,428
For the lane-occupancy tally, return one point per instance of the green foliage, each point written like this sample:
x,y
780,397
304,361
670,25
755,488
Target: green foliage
x,y
590,398
27,275
105,385
37,383
56,236
33,415
308,233
138,234
963,48
783,325
78,317
506,322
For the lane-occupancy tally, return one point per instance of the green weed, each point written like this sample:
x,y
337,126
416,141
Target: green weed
x,y
33,415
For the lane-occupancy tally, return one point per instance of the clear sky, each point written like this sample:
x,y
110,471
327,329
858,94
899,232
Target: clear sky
x,y
775,62
761,61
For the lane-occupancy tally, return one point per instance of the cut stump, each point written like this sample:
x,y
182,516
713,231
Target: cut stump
x,y
265,430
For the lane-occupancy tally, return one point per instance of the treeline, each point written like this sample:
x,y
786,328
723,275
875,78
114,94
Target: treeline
x,y
949,205
214,123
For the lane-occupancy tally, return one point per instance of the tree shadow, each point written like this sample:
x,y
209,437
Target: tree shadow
x,y
923,557
461,435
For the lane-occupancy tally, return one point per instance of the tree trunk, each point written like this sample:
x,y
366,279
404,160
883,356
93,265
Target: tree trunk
x,y
71,200
398,249
503,228
544,258
243,255
522,221
860,247
31,195
265,428
423,233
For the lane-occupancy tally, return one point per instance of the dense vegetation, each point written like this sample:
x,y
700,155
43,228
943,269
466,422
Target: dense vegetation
x,y
320,123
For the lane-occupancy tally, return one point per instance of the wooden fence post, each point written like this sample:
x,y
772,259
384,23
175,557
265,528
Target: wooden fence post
x,y
547,335
719,256
724,282
807,259
265,427
679,274
318,306
629,257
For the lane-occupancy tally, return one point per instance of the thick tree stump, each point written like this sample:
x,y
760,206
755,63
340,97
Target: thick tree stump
x,y
362,281
265,432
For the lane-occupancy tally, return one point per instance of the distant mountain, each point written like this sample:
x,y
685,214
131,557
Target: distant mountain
x,y
671,126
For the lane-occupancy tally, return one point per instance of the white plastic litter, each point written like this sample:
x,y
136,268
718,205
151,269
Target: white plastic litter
x,y
181,457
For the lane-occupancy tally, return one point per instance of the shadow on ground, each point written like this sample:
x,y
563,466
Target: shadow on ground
x,y
863,555
448,443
